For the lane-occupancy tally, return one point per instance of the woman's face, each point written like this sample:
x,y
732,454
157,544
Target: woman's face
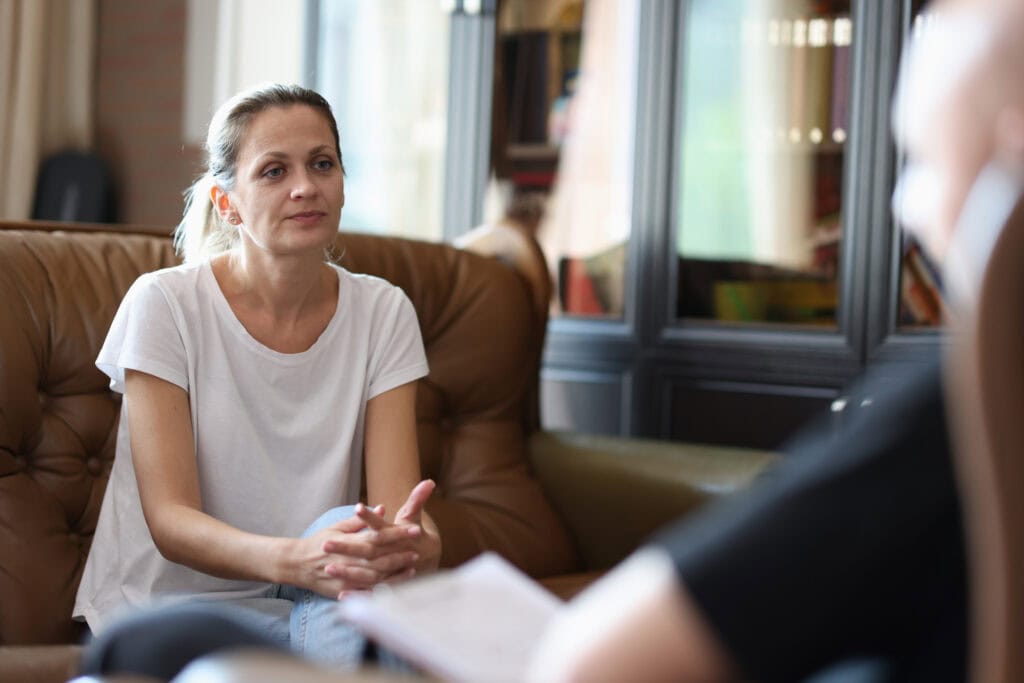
x,y
289,188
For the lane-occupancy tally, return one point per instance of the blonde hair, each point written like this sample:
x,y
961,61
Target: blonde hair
x,y
202,233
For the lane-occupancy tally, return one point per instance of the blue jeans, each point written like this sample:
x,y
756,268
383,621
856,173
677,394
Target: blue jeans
x,y
303,620
160,640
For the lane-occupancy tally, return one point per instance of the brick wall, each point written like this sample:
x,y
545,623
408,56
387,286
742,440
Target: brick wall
x,y
140,86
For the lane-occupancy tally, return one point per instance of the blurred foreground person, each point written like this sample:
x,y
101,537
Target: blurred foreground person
x,y
853,548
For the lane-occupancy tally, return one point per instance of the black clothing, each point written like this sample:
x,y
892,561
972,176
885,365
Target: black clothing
x,y
160,642
850,547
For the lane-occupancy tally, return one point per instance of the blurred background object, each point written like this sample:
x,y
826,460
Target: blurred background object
x,y
47,94
73,186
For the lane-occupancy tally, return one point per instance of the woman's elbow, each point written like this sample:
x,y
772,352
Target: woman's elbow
x,y
163,529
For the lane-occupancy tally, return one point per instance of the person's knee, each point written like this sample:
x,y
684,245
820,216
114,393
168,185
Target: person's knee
x,y
332,516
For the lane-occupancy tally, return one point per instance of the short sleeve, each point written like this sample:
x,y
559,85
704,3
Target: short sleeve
x,y
397,356
144,336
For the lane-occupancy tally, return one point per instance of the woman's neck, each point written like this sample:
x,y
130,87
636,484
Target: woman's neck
x,y
284,287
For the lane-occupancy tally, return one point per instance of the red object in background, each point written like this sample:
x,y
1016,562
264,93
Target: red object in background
x,y
578,294
542,179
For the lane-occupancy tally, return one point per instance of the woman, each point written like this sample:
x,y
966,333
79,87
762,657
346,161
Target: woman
x,y
258,380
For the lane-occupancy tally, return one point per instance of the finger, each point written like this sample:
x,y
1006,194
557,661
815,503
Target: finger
x,y
370,517
395,562
360,578
371,572
392,539
398,577
418,497
349,525
352,546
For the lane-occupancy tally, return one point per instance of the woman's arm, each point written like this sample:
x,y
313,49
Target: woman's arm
x,y
164,458
393,473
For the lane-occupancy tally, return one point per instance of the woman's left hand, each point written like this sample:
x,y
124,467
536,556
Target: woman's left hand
x,y
420,535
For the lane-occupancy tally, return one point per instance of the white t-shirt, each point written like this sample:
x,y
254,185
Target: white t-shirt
x,y
278,437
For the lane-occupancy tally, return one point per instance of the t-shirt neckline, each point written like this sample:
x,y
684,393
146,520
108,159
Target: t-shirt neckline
x,y
226,313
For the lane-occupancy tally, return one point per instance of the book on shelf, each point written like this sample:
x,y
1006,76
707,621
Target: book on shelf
x,y
828,186
920,290
798,87
576,291
842,37
809,73
525,75
819,80
807,301
780,43
478,622
593,285
825,242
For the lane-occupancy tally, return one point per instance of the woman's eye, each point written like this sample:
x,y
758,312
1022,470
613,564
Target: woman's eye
x,y
324,164
275,172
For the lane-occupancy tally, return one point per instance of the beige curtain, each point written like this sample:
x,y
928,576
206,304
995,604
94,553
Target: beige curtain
x,y
47,86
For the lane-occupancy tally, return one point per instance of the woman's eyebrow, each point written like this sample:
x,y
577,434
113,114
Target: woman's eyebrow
x,y
270,155
273,154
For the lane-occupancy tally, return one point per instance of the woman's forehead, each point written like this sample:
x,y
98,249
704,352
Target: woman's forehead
x,y
284,128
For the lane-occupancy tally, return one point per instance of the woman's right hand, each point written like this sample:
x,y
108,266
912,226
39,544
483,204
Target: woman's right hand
x,y
357,561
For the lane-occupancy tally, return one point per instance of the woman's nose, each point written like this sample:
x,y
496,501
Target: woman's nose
x,y
302,185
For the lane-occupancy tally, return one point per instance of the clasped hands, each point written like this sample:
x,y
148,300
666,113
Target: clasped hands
x,y
366,549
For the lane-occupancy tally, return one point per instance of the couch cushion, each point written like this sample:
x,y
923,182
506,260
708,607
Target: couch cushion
x,y
482,343
39,663
57,416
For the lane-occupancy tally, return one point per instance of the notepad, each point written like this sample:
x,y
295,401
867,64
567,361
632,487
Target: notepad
x,y
478,622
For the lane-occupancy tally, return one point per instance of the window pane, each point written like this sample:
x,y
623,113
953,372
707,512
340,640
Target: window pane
x,y
383,66
563,138
765,127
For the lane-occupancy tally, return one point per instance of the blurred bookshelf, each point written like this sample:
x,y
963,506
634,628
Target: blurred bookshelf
x,y
536,66
759,270
537,107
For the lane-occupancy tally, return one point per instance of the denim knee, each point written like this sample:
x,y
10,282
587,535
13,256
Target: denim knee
x,y
332,516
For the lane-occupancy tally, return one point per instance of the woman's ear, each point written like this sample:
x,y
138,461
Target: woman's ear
x,y
223,205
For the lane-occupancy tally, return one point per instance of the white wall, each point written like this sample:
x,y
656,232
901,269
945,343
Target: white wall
x,y
233,44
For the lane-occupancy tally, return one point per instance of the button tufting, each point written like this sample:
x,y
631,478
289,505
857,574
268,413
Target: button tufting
x,y
19,463
94,466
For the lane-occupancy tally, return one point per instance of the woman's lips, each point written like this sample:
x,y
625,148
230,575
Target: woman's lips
x,y
307,216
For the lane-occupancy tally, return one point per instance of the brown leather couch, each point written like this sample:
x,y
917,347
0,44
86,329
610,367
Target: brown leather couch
x,y
559,506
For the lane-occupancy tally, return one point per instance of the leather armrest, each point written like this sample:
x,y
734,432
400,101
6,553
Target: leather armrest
x,y
38,663
614,492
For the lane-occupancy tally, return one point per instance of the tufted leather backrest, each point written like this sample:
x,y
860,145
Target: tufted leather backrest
x,y
59,289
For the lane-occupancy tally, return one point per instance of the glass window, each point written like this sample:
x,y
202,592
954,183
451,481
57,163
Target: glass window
x,y
383,66
765,108
563,139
